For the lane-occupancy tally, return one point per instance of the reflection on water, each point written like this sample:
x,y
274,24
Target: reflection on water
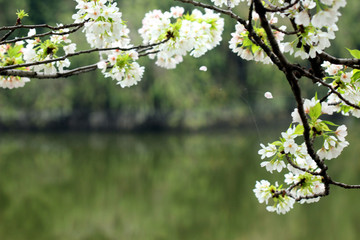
x,y
154,187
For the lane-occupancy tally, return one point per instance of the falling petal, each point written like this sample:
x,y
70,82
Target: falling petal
x,y
268,95
203,68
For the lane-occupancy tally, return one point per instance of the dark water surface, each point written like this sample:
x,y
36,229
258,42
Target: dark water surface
x,y
157,186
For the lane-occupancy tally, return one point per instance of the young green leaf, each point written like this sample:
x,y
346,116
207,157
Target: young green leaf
x,y
315,111
354,52
299,130
356,74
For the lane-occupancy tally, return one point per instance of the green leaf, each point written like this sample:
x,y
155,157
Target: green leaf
x,y
21,14
356,74
14,51
247,42
277,143
315,111
330,123
254,48
346,109
299,130
324,127
354,52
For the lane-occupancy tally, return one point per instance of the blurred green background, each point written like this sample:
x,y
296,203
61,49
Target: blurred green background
x,y
159,186
150,185
230,93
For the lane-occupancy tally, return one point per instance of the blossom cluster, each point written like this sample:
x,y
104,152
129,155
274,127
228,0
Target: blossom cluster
x,y
241,44
37,50
11,82
282,203
228,3
313,34
317,29
347,83
123,67
305,183
314,24
104,28
11,55
195,33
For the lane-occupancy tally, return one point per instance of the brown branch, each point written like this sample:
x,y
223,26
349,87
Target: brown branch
x,y
279,9
328,94
249,26
217,9
259,8
299,168
7,35
18,21
31,74
312,196
80,25
350,62
343,185
148,53
41,26
282,31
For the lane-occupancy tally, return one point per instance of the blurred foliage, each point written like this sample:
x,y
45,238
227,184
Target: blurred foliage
x,y
81,186
228,94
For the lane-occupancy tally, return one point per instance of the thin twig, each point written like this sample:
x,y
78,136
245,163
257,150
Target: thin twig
x,y
150,46
284,32
343,185
332,90
217,9
299,168
312,196
43,35
32,74
41,26
328,94
279,9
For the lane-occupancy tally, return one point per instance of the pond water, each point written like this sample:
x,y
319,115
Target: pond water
x,y
157,186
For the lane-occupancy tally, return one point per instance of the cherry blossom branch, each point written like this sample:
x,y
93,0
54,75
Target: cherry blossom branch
x,y
148,47
293,73
293,81
319,80
259,8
